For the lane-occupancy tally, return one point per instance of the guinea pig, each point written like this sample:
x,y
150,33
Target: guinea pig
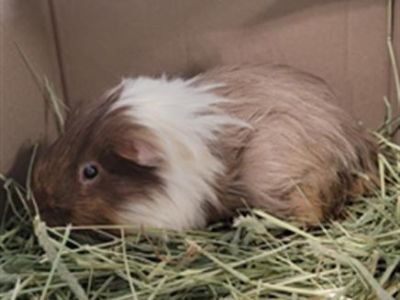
x,y
180,153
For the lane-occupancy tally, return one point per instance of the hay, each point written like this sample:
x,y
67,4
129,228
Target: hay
x,y
256,257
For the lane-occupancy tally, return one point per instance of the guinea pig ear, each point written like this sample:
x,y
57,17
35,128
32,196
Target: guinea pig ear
x,y
140,151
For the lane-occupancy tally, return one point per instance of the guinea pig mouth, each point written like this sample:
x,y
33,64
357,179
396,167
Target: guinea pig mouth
x,y
53,218
51,215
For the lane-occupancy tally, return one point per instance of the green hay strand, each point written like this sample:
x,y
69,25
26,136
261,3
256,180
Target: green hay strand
x,y
258,256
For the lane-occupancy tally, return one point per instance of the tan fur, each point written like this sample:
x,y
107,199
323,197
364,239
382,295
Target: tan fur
x,y
303,154
166,160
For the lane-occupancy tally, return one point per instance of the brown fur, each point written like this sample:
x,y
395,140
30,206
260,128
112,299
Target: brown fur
x,y
302,157
300,160
91,136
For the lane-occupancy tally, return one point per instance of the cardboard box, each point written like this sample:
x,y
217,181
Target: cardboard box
x,y
86,46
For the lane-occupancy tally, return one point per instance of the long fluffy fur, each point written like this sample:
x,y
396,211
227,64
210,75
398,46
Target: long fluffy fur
x,y
303,159
185,119
300,159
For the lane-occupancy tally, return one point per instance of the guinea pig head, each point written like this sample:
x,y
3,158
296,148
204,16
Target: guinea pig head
x,y
101,161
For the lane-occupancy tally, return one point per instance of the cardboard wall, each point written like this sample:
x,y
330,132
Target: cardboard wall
x,y
396,44
24,117
343,41
86,46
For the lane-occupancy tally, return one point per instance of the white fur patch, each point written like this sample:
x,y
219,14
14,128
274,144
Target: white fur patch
x,y
185,119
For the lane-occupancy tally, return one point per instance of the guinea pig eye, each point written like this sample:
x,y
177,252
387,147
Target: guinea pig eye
x,y
89,172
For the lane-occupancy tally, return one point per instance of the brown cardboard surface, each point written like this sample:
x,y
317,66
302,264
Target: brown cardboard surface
x,y
89,45
342,41
22,111
396,45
